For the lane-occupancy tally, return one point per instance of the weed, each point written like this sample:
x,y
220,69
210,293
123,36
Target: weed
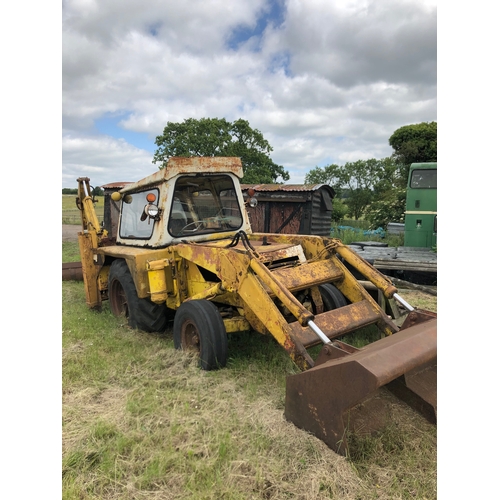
x,y
70,251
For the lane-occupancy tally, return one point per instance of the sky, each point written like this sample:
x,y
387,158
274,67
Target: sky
x,y
324,81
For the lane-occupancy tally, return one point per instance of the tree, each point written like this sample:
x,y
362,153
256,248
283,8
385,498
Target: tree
x,y
330,174
414,144
339,210
218,137
354,181
389,195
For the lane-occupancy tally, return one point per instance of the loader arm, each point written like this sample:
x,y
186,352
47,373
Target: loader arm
x,y
89,239
85,204
242,271
239,273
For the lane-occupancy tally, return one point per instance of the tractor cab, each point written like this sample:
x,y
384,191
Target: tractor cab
x,y
181,203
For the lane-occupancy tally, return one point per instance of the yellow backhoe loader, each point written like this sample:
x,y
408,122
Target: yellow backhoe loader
x,y
185,249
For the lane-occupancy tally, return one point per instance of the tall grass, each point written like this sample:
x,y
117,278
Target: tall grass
x,y
349,236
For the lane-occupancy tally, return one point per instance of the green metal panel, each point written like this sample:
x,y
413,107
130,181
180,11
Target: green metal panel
x,y
421,206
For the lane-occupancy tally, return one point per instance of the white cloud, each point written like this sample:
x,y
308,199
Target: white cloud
x,y
331,83
103,159
384,40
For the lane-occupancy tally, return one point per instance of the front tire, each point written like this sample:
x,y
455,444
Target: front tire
x,y
142,314
198,327
332,297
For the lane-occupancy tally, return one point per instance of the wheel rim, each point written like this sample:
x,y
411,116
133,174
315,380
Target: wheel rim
x,y
190,337
118,299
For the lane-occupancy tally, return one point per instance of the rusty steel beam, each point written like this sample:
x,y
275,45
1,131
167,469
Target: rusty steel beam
x,y
72,271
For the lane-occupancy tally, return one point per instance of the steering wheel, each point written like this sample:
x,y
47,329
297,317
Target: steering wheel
x,y
197,225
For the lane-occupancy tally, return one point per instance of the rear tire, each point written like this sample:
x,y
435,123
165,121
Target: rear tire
x,y
332,297
142,314
198,327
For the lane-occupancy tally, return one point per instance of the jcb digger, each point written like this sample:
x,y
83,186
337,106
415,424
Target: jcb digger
x,y
184,249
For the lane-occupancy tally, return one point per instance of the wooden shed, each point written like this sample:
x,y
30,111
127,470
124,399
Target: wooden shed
x,y
291,208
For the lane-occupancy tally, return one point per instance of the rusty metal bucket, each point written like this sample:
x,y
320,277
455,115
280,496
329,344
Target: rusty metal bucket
x,y
340,394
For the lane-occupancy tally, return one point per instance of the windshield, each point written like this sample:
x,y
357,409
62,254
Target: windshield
x,y
424,179
203,205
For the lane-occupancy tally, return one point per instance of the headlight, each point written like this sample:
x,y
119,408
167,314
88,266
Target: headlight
x,y
253,202
152,210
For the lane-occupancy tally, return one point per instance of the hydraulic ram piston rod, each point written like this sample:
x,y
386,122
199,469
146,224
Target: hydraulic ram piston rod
x,y
403,302
312,325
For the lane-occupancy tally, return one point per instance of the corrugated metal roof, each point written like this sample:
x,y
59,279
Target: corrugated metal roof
x,y
283,187
245,187
115,185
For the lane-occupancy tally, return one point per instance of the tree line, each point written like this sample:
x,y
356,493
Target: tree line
x,y
95,191
374,189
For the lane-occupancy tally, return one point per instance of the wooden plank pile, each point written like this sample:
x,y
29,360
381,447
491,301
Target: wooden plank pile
x,y
397,258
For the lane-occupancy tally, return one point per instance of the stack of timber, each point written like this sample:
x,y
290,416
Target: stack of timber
x,y
382,257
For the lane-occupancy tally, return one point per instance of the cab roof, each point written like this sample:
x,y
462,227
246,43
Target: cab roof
x,y
193,165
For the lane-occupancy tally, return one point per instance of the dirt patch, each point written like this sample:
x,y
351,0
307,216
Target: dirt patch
x,y
70,232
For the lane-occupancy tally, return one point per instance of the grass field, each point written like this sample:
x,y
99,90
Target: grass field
x,y
70,212
141,421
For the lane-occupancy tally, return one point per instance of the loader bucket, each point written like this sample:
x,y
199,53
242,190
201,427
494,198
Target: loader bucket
x,y
340,394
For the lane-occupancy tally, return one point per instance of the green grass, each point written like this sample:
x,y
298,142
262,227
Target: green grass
x,y
349,236
70,212
70,251
141,421
69,203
